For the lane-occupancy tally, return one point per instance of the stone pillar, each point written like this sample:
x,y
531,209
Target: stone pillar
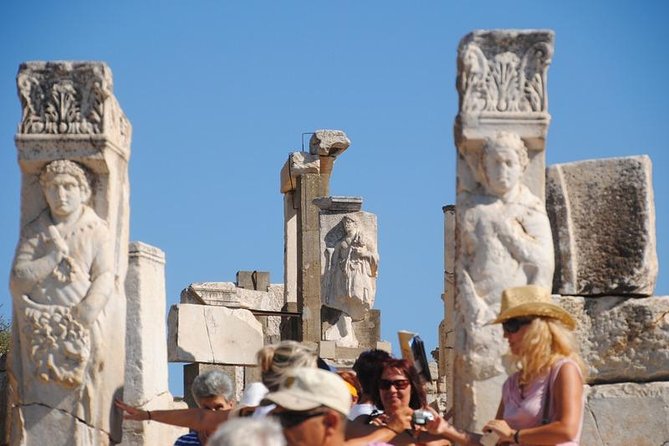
x,y
302,181
69,271
146,381
503,235
447,327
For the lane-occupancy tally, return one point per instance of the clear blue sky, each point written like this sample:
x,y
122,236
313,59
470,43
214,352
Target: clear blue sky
x,y
219,93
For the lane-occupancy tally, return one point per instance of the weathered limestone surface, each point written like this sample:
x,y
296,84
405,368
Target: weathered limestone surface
x,y
146,383
231,295
447,326
213,334
67,281
622,339
503,236
328,145
603,219
627,414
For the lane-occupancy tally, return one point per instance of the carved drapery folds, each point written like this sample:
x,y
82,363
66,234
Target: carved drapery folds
x,y
493,82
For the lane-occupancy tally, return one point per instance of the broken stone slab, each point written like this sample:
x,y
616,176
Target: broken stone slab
x,y
339,204
626,414
622,339
213,334
603,220
298,163
229,295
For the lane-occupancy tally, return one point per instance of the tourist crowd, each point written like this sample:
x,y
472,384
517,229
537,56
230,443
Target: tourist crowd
x,y
304,402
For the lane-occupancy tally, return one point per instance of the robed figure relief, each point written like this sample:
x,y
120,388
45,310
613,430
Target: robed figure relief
x,y
351,272
61,281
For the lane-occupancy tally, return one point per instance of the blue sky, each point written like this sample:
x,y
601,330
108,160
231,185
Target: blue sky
x,y
219,93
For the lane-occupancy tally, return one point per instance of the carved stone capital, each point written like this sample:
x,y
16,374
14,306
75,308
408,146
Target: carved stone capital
x,y
72,100
502,84
328,143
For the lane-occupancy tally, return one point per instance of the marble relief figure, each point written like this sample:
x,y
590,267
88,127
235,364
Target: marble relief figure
x,y
61,280
351,272
506,236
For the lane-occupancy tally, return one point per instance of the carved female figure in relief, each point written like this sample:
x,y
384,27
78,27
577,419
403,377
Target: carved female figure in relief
x,y
507,238
61,280
352,272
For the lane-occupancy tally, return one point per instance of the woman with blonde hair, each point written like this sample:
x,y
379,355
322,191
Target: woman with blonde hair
x,y
543,401
275,360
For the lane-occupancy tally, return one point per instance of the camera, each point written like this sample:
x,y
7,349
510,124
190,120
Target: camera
x,y
421,417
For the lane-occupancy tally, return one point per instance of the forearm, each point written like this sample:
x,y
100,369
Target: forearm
x,y
201,420
28,272
552,433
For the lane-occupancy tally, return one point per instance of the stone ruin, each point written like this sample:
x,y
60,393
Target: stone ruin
x,y
584,229
514,222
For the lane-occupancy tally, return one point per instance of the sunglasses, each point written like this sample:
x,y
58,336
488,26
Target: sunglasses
x,y
513,325
399,384
290,419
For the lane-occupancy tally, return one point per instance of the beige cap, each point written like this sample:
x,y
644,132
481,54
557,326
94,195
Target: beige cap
x,y
307,388
531,300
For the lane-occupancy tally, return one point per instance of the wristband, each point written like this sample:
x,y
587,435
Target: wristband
x,y
148,414
515,437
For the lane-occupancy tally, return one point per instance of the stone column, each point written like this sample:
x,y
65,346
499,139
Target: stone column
x,y
146,380
447,327
67,280
328,145
503,235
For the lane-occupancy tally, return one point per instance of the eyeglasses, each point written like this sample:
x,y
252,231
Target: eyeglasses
x,y
290,419
513,325
399,384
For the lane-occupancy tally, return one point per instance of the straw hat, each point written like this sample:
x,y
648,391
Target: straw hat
x,y
531,300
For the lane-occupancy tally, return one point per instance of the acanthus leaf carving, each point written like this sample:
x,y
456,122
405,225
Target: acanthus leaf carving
x,y
504,82
60,99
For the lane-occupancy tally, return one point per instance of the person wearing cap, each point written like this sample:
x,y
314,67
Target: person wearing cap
x,y
543,401
312,406
251,399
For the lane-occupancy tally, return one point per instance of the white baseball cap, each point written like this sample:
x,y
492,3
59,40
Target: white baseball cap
x,y
306,388
252,396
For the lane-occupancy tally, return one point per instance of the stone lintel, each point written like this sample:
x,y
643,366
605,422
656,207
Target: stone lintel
x,y
298,163
143,250
212,293
339,204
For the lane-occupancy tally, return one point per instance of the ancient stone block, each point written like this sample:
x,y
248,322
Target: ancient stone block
x,y
622,339
603,219
213,334
328,143
253,280
627,414
299,163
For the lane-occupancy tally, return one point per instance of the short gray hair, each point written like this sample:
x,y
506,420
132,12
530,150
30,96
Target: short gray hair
x,y
211,383
244,431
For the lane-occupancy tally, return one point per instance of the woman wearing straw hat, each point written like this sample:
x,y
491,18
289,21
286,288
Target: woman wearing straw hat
x,y
542,403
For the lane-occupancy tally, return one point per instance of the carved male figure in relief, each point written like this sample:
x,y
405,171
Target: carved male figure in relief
x,y
351,272
61,280
506,238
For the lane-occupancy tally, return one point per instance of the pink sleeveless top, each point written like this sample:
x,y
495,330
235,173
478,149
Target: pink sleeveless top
x,y
521,413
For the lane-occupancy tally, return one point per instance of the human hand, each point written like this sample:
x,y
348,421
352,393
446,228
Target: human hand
x,y
398,421
438,426
501,428
132,413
